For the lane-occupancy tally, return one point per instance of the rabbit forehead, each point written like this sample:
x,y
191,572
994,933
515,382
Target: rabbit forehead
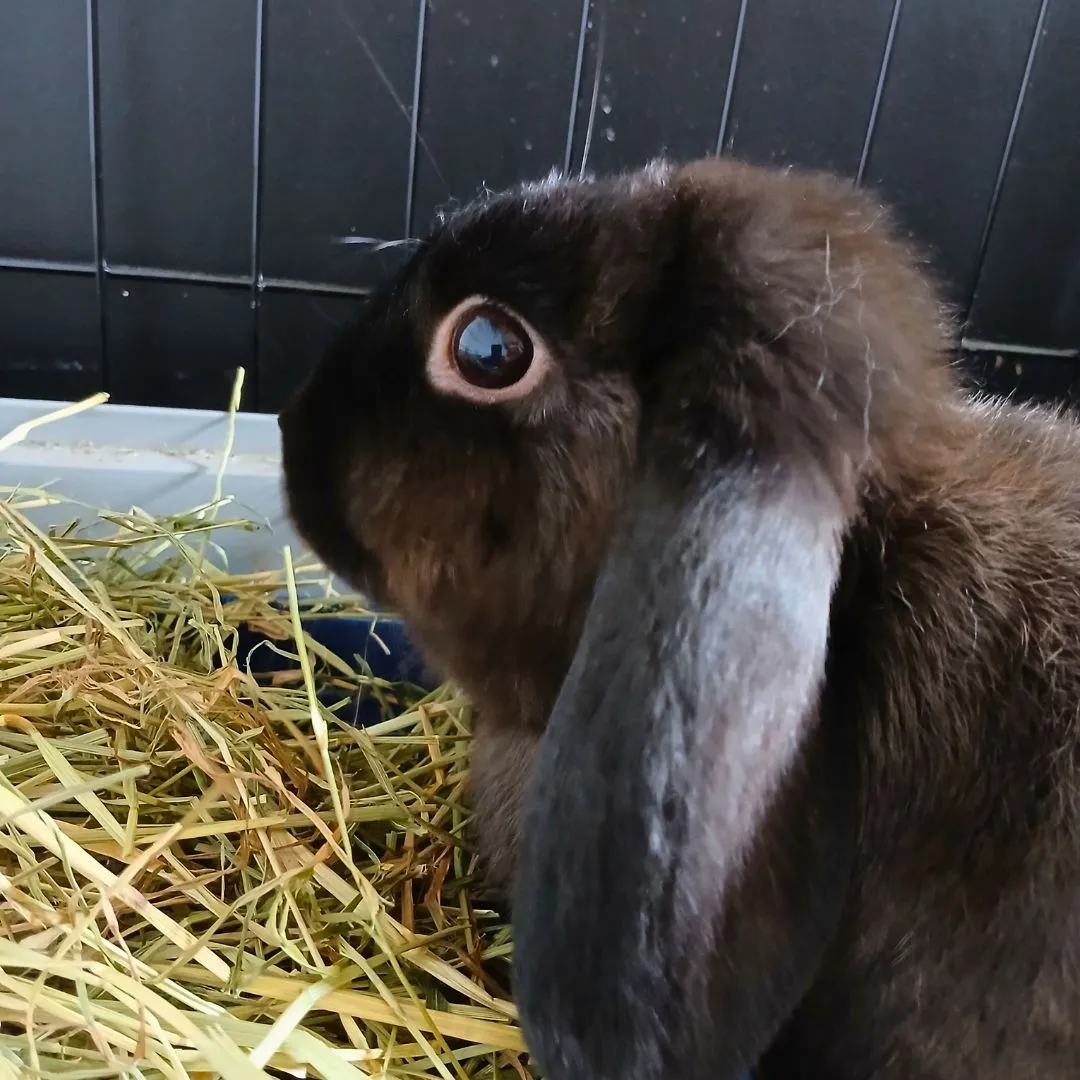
x,y
536,259
551,250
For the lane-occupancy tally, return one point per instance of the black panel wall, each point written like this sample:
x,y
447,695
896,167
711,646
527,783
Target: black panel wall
x,y
954,75
177,90
656,81
337,136
494,96
1029,288
806,80
46,206
189,185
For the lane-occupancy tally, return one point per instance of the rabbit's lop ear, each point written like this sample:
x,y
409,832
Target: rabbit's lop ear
x,y
688,840
691,819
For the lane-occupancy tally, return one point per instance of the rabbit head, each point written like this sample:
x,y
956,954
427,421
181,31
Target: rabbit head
x,y
601,442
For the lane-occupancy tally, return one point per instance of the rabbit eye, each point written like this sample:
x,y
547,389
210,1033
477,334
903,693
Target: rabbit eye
x,y
490,349
484,354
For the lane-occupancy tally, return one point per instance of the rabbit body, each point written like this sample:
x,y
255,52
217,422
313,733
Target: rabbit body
x,y
956,657
772,628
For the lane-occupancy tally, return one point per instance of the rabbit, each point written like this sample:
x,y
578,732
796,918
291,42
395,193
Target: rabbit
x,y
772,623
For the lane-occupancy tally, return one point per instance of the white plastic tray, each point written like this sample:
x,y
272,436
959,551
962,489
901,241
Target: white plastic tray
x,y
165,461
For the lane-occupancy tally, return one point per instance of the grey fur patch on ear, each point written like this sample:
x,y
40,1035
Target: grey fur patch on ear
x,y
694,687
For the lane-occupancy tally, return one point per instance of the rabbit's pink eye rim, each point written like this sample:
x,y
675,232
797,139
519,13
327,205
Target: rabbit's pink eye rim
x,y
484,353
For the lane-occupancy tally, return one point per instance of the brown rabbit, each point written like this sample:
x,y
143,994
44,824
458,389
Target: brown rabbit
x,y
773,629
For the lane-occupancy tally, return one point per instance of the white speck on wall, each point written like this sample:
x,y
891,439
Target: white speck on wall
x,y
605,104
609,134
126,292
494,61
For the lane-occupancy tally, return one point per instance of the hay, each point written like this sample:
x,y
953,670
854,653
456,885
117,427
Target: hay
x,y
206,871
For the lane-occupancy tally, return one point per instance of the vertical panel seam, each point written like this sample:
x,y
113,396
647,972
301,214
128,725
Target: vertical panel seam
x,y
733,71
594,98
1006,157
257,154
93,76
575,87
879,92
414,128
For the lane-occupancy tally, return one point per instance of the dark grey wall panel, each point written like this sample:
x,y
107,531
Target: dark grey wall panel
x,y
949,99
497,91
338,132
178,343
46,211
1030,285
50,337
294,329
805,81
663,80
177,120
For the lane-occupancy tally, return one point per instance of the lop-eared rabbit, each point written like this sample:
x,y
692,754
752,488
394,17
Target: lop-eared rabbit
x,y
772,626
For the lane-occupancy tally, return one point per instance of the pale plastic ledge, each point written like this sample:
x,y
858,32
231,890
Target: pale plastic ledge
x,y
164,461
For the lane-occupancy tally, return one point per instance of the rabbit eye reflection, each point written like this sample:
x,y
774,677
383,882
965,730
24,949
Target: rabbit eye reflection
x,y
490,349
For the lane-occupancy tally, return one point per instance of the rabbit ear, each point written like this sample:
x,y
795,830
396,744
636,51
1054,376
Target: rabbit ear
x,y
690,825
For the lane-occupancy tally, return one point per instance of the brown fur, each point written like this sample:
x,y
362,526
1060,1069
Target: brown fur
x,y
954,642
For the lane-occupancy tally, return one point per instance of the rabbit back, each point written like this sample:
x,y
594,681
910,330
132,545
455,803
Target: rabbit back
x,y
955,652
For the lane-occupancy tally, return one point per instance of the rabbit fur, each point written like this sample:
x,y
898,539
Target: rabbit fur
x,y
772,626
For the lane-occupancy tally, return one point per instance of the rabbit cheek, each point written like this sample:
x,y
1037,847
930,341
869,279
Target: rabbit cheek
x,y
420,543
367,576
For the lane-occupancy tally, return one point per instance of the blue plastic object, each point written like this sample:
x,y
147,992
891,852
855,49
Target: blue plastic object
x,y
381,644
